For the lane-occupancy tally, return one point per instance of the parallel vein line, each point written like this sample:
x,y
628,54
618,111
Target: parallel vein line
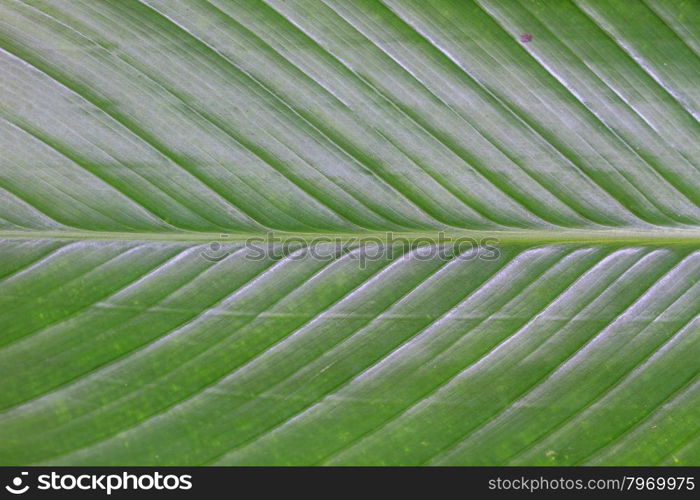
x,y
447,449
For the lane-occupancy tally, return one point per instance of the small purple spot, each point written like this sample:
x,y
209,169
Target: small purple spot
x,y
526,37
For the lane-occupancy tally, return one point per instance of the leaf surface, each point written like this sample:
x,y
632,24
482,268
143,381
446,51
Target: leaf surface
x,y
145,144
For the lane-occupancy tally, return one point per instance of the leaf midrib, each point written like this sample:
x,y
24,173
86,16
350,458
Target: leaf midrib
x,y
666,236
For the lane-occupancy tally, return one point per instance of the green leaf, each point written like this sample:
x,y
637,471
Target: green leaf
x,y
368,232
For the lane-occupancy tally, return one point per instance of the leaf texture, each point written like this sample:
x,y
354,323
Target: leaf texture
x,y
132,133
